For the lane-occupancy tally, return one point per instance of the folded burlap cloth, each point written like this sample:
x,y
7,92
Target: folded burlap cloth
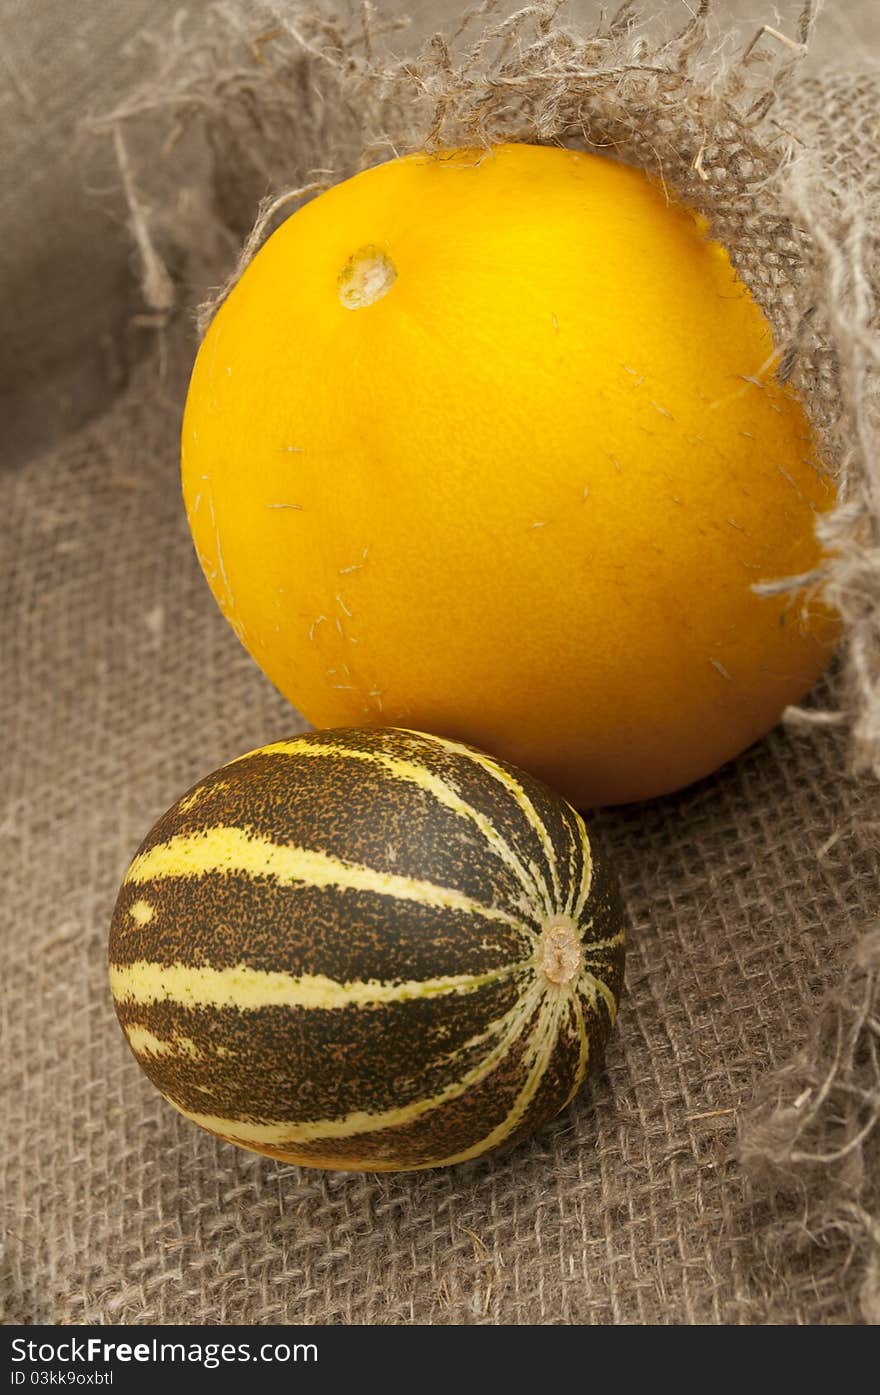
x,y
725,1164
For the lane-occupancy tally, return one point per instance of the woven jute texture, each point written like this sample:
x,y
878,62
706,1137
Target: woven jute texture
x,y
723,1166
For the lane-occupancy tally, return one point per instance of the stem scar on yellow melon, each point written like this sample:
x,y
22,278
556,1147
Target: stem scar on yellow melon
x,y
368,274
560,955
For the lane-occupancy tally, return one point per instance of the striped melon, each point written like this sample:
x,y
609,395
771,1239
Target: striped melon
x,y
367,949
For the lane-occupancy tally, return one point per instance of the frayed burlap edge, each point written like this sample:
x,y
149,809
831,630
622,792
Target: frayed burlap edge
x,y
812,1137
290,101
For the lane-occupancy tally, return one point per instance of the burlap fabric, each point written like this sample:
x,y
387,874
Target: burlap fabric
x,y
724,1165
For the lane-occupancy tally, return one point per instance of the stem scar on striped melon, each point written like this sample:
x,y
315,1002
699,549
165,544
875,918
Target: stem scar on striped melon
x,y
368,949
561,955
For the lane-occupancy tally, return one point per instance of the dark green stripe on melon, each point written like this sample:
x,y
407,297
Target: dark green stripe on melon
x,y
228,920
308,1063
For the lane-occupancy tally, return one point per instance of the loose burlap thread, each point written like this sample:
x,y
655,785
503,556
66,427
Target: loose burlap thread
x,y
750,896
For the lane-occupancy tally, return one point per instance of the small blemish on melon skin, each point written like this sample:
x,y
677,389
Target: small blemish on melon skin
x,y
367,276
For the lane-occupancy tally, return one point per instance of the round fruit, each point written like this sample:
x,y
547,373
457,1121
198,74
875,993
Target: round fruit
x,y
489,443
368,950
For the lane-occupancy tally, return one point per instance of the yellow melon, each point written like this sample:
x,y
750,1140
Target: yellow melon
x,y
490,443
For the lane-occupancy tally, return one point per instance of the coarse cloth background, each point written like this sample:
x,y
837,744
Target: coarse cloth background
x,y
723,1165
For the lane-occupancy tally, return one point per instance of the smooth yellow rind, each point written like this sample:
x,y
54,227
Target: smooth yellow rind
x,y
540,475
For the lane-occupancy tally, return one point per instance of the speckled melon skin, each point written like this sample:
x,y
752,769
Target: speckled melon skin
x,y
368,950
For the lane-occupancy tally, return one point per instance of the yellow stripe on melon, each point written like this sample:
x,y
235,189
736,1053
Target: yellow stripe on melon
x,y
423,779
239,986
238,850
